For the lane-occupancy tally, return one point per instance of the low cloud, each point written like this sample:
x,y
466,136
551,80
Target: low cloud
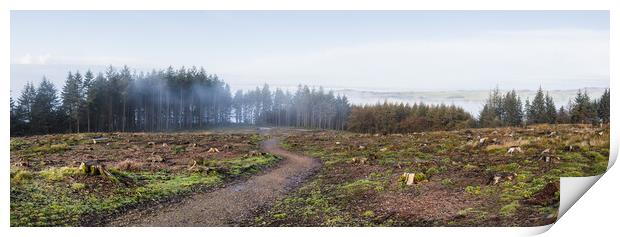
x,y
514,59
46,59
29,59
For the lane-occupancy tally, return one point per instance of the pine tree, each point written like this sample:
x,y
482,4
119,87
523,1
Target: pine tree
x,y
72,99
563,116
15,123
582,110
538,111
492,112
45,116
528,111
550,110
513,109
603,109
238,106
23,110
87,85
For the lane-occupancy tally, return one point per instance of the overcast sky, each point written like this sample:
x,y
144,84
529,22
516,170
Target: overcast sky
x,y
399,50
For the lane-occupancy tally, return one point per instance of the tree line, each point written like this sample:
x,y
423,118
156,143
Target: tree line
x,y
404,118
190,98
500,109
122,100
165,100
508,110
307,107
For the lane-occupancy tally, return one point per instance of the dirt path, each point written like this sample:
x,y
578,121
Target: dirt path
x,y
233,203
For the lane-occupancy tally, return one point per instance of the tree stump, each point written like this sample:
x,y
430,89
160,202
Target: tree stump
x,y
94,168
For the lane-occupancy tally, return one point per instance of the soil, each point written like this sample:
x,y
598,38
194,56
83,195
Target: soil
x,y
456,192
546,196
231,204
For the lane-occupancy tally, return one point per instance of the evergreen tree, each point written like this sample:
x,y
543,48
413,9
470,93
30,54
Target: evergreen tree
x,y
45,116
603,109
492,112
550,110
86,105
528,111
23,110
582,110
538,110
513,109
72,100
391,117
15,123
238,106
563,116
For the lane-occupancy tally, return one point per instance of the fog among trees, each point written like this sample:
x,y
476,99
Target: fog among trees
x,y
122,100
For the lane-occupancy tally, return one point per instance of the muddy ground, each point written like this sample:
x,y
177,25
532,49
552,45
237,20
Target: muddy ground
x,y
462,178
49,188
472,177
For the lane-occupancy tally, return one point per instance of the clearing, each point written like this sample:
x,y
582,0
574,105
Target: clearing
x,y
473,177
49,189
234,203
460,178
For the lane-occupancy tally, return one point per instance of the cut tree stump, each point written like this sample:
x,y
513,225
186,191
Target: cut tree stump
x,y
99,139
409,178
94,168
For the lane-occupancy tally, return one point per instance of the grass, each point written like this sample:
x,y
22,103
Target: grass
x,y
59,174
71,202
509,209
63,196
50,148
19,176
343,193
455,170
473,190
360,186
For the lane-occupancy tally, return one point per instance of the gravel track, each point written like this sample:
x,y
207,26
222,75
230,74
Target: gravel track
x,y
233,203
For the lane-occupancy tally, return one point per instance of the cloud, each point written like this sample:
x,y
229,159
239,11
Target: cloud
x,y
43,59
568,58
29,59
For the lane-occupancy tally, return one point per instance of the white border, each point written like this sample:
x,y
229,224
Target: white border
x,y
317,5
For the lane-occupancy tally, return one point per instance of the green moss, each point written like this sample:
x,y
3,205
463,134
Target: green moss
x,y
532,174
447,182
369,214
524,176
249,165
419,177
510,209
255,139
512,167
178,149
33,205
600,162
177,184
20,175
470,211
279,216
50,149
18,144
58,174
469,167
360,186
78,186
432,171
573,157
473,190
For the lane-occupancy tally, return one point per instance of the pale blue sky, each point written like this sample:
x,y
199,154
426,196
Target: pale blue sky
x,y
384,50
